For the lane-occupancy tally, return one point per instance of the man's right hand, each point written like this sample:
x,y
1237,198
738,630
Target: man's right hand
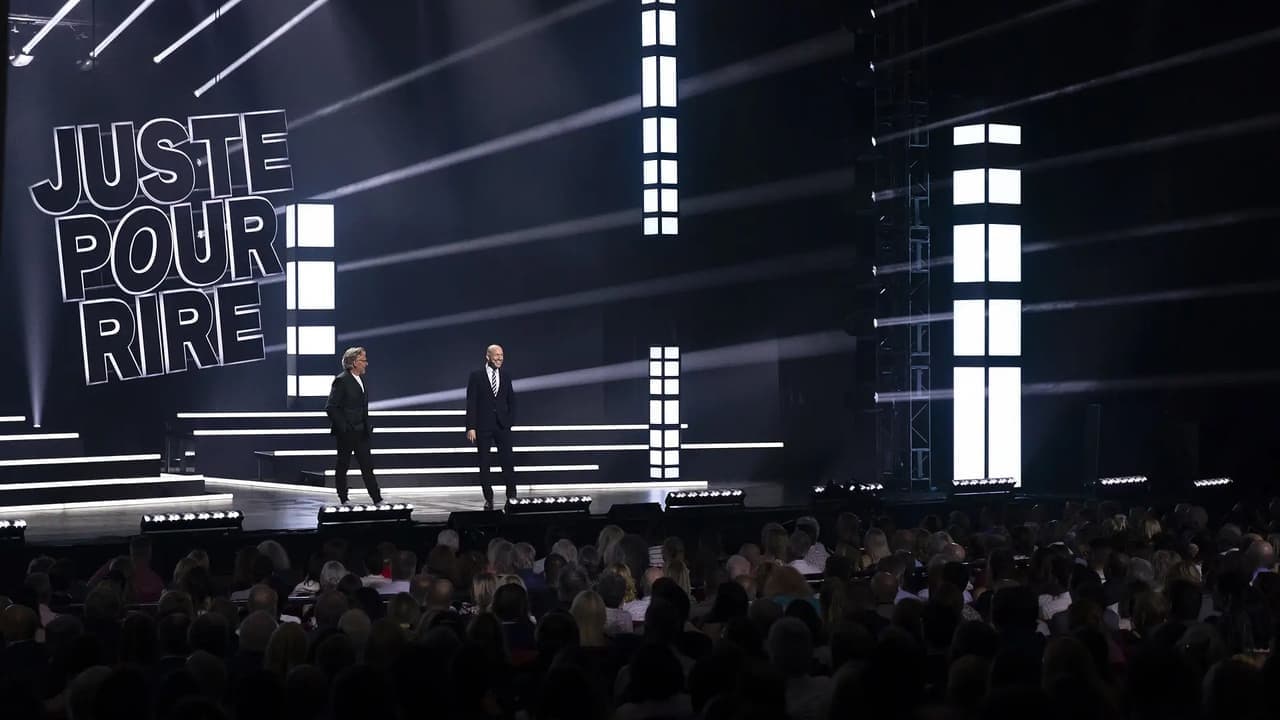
x,y
471,436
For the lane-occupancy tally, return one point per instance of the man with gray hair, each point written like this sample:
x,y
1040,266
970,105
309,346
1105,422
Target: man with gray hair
x,y
491,412
348,411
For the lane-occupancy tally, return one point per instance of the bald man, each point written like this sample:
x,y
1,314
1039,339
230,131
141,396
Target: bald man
x,y
491,411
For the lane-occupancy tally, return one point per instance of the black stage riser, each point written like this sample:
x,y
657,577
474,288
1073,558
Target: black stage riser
x,y
16,450
80,471
91,493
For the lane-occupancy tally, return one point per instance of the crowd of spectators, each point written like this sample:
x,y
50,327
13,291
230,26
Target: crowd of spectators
x,y
1099,613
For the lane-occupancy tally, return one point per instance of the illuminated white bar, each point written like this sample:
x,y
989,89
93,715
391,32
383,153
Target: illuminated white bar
x,y
13,418
969,422
131,502
288,25
86,459
101,482
969,187
142,6
1004,317
474,470
1004,134
195,30
312,414
458,489
1004,400
246,432
1004,253
1005,186
968,135
969,328
40,436
969,259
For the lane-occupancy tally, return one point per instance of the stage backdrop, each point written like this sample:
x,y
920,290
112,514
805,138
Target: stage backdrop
x,y
486,185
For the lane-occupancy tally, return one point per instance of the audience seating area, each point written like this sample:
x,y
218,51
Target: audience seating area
x,y
1096,611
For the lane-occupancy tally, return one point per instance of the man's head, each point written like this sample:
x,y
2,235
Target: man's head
x,y
1261,555
651,575
355,360
573,580
264,598
790,647
493,356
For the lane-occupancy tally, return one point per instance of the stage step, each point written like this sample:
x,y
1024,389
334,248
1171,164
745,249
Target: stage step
x,y
112,490
17,443
78,467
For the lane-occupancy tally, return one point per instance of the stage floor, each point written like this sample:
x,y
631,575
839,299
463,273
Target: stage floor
x,y
267,509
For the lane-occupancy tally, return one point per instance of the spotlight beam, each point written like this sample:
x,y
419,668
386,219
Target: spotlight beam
x,y
1147,298
141,8
1137,232
979,33
1210,52
1113,152
825,261
502,38
805,186
752,353
1077,387
275,35
790,57
213,16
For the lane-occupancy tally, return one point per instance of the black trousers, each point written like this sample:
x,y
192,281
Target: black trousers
x,y
355,442
501,439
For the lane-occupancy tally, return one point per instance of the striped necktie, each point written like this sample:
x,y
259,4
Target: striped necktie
x,y
493,382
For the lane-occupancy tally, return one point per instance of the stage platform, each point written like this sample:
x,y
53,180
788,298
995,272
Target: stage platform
x,y
269,509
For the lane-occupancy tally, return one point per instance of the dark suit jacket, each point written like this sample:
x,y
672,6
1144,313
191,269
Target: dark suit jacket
x,y
348,406
486,413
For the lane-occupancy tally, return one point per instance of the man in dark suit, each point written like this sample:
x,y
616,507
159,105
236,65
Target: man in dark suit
x,y
491,411
348,410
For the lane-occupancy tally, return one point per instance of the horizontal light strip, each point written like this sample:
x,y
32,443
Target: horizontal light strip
x,y
13,418
456,489
103,482
312,414
77,460
325,431
275,34
464,450
469,470
731,446
653,485
131,502
195,30
40,436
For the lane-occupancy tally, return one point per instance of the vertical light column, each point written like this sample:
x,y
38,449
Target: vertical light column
x,y
658,117
310,335
664,413
987,304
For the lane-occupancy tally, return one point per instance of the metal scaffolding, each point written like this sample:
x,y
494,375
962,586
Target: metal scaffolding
x,y
904,429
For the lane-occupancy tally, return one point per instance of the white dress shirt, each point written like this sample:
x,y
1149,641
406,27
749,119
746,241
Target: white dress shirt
x,y
494,378
358,380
